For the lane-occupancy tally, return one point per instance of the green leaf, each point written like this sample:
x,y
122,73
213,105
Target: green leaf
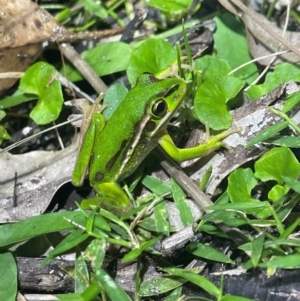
x,y
113,290
95,253
283,73
284,262
153,55
182,204
155,185
106,58
37,225
95,7
211,67
210,101
9,279
3,134
196,279
207,252
257,248
13,100
254,204
82,278
170,6
287,141
161,218
267,133
72,240
40,79
160,285
137,252
230,218
174,296
231,45
90,293
240,184
113,97
291,102
277,163
294,184
276,192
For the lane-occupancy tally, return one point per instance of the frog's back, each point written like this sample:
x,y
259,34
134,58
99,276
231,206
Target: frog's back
x,y
123,143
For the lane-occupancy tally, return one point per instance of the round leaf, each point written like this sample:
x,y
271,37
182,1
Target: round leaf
x,y
152,56
277,163
40,80
211,98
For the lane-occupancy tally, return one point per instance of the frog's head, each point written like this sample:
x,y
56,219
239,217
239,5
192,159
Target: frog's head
x,y
166,96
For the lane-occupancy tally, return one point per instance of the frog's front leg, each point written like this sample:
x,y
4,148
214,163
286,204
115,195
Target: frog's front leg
x,y
203,149
86,149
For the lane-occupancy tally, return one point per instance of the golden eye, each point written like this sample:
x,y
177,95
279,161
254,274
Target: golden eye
x,y
160,107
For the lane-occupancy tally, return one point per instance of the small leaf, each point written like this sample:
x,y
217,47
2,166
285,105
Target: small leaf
x,y
291,102
113,97
3,134
95,253
182,204
106,58
230,218
210,101
161,218
15,99
40,79
240,184
267,133
155,185
95,7
287,141
169,6
284,262
160,285
211,67
145,58
207,252
282,73
277,192
137,252
196,279
174,296
9,283
72,240
231,45
81,275
257,248
277,163
113,290
294,184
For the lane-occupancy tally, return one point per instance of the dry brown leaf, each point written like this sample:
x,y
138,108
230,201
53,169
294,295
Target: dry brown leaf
x,y
39,175
25,30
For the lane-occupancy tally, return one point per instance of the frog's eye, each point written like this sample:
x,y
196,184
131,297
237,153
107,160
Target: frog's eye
x,y
159,108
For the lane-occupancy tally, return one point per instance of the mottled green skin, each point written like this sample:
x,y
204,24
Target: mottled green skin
x,y
125,140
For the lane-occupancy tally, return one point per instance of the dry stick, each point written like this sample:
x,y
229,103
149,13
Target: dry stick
x,y
77,61
265,25
83,67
